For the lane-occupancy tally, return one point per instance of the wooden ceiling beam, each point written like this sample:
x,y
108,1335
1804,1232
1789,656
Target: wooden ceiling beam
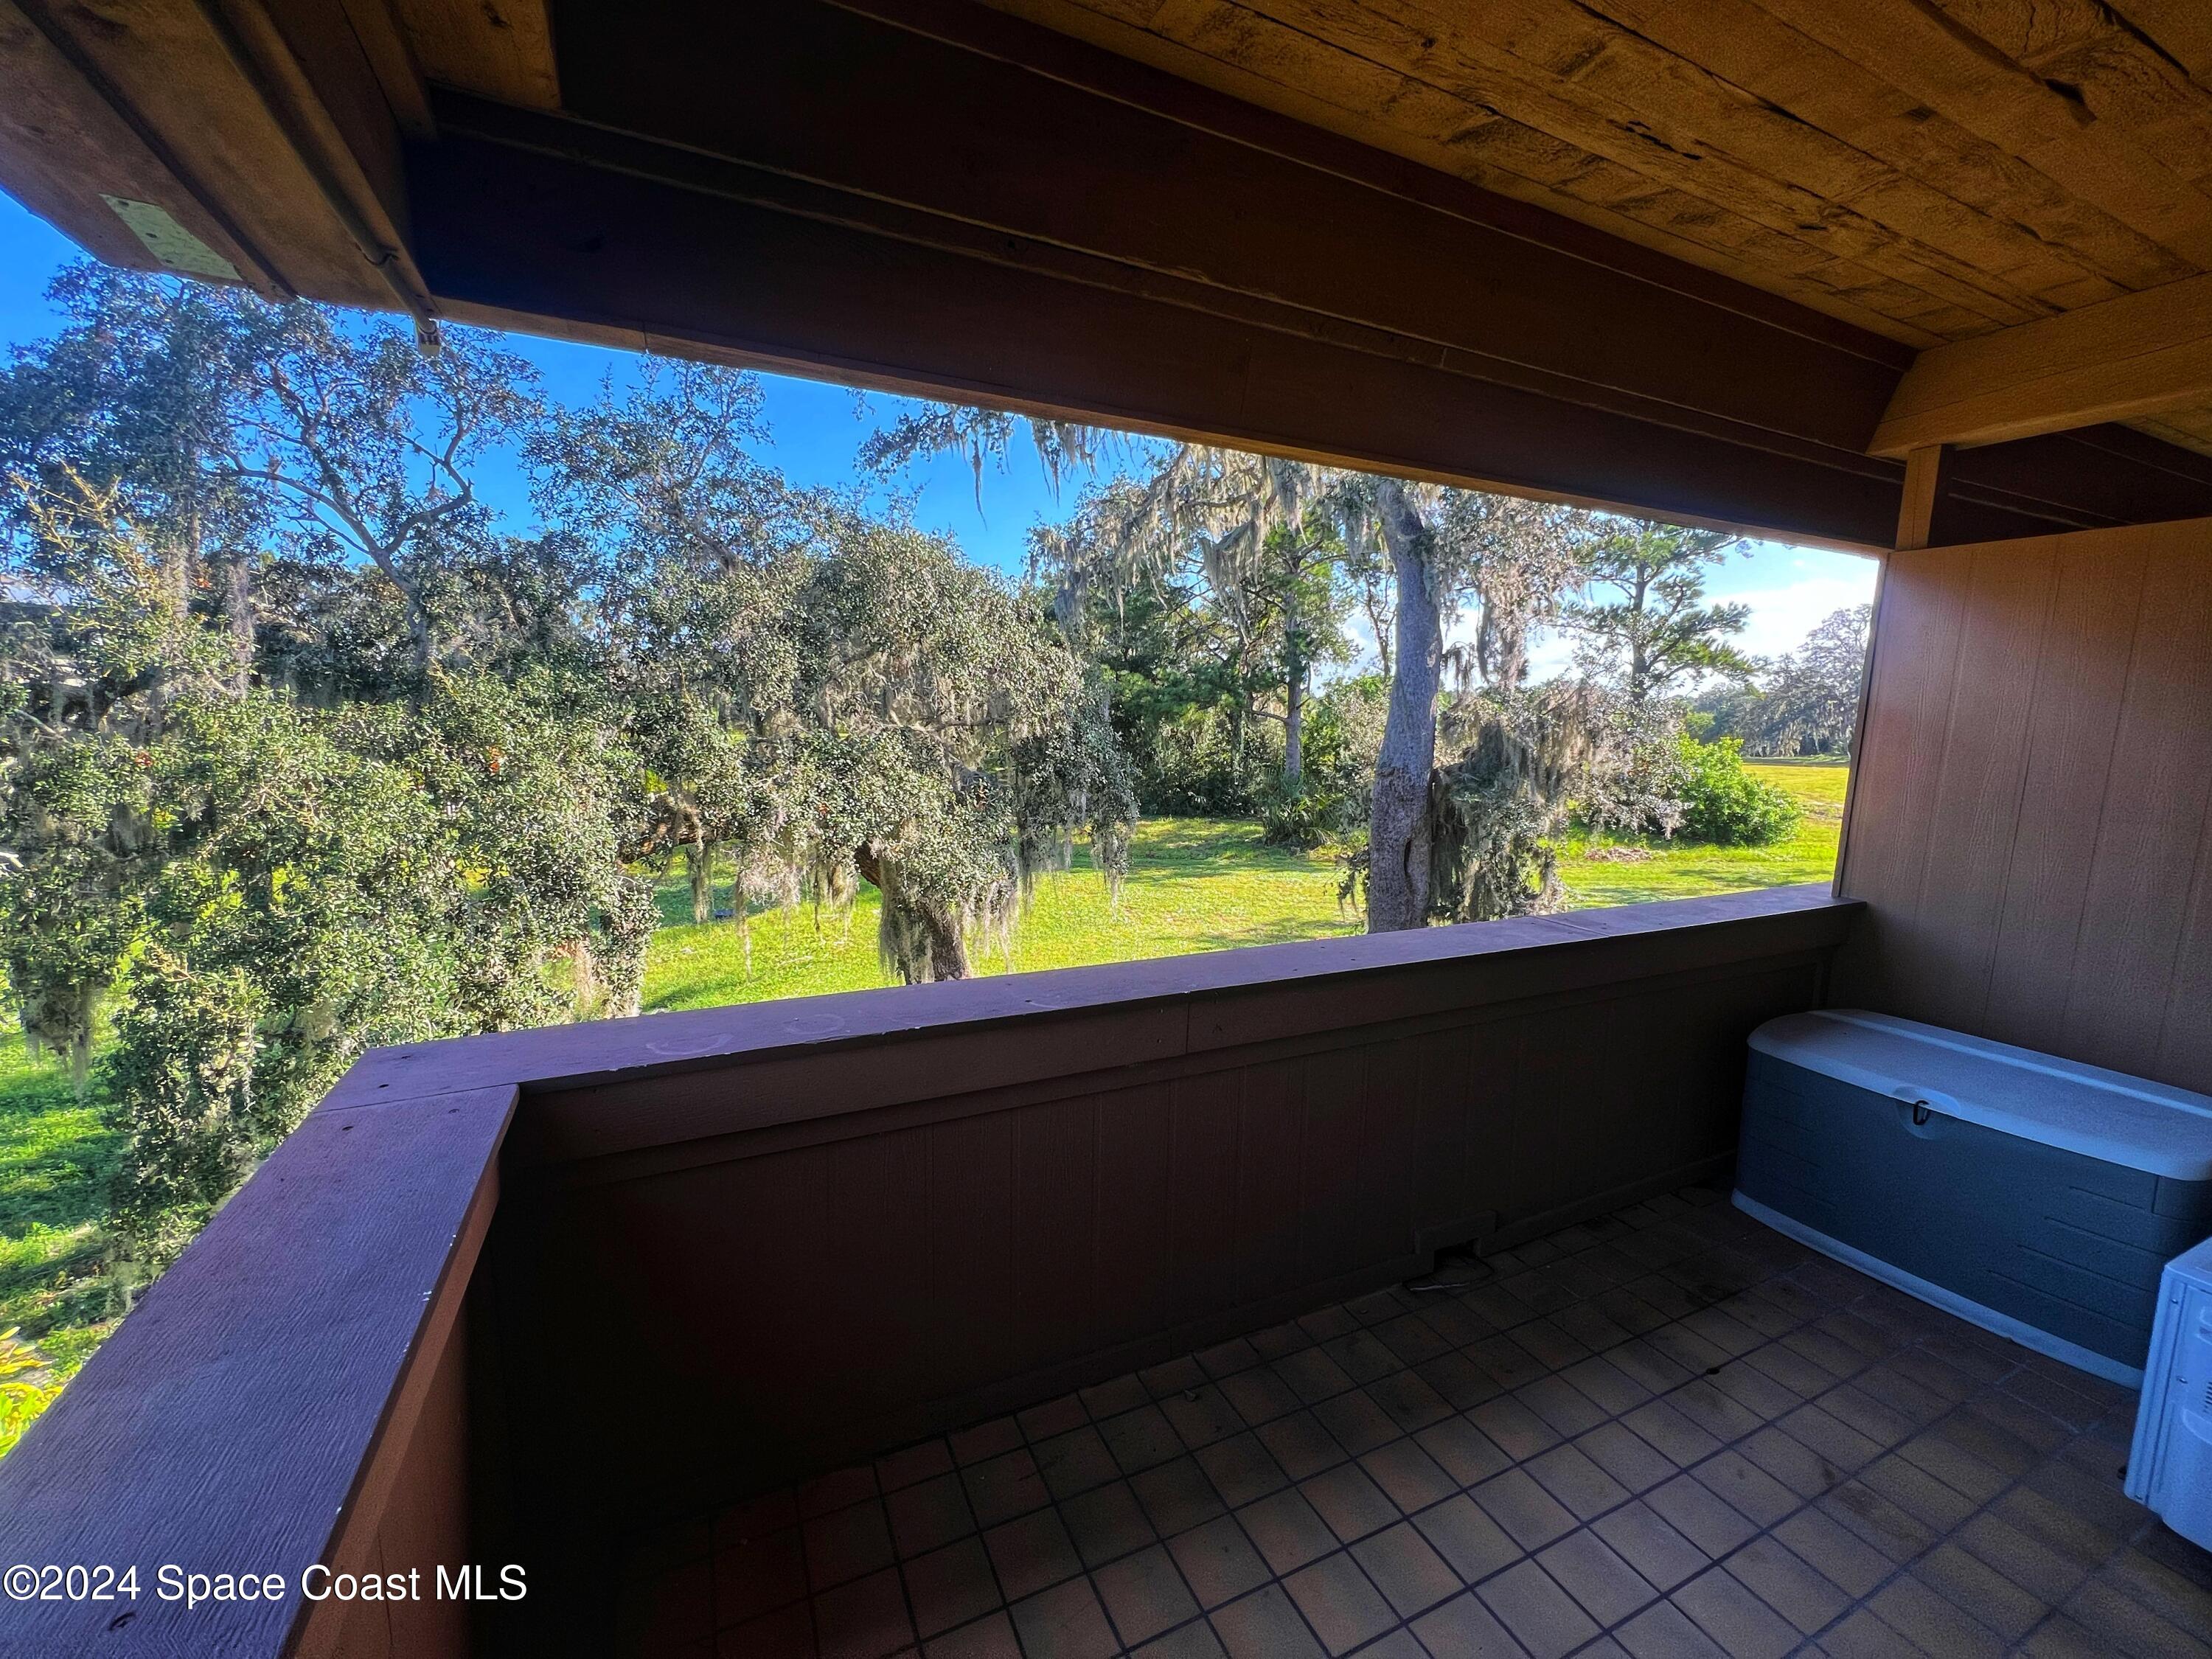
x,y
270,130
1255,223
2142,355
674,255
72,147
497,49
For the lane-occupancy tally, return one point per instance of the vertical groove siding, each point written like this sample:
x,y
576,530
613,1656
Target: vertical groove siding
x,y
780,1307
2029,824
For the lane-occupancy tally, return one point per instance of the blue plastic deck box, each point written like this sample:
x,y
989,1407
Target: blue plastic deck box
x,y
2037,1197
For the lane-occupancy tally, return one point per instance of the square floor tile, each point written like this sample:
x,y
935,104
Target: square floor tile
x,y
847,1543
1543,1618
1001,1487
991,1637
1782,1579
1075,1462
1465,1629
866,1618
950,1586
1285,1531
1525,1509
1242,1470
1471,1543
1407,1569
1352,1503
1031,1554
929,1513
1343,1609
1065,1622
1106,1523
1605,1586
1145,1595
1408,1476
1218,1561
1177,1496
1265,1624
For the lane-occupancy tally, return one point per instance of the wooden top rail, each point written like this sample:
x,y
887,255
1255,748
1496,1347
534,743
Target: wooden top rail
x,y
1207,1000
234,1422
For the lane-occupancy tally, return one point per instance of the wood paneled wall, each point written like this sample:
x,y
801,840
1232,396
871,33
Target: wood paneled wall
x,y
813,1256
2028,827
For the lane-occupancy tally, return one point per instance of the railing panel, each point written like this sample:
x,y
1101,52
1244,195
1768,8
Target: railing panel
x,y
815,1249
739,1245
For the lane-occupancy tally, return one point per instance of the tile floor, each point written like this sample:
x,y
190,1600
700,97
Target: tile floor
x,y
1671,1431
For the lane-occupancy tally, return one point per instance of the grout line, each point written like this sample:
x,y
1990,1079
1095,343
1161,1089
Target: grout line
x,y
1684,1247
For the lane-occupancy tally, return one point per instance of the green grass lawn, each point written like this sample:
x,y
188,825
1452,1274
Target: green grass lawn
x,y
1195,885
54,1161
1686,869
1203,884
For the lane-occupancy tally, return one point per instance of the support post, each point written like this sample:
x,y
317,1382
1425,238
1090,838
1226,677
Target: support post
x,y
1923,469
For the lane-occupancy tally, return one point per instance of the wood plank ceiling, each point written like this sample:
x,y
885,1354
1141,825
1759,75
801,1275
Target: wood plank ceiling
x,y
1731,261
1932,170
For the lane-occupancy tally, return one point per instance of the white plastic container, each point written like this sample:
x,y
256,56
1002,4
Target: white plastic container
x,y
2170,1468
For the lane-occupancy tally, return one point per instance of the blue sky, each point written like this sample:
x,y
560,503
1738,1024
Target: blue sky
x,y
817,428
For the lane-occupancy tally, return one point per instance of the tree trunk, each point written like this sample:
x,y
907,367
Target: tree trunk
x,y
422,642
699,856
1639,656
418,636
1398,837
1294,721
918,940
238,612
1378,619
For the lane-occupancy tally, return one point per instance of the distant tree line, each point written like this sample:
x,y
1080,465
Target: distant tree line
x,y
1804,703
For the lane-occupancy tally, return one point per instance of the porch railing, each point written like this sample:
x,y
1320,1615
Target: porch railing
x,y
509,1297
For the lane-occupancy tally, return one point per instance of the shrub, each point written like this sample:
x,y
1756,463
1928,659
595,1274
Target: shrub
x,y
1310,815
27,1388
1343,731
1634,777
1190,766
1723,804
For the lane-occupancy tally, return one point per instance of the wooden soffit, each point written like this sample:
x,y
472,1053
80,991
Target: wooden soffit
x,y
1683,260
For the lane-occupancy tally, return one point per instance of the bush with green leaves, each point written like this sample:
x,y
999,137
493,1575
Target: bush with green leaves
x,y
328,881
1725,804
27,1388
1330,802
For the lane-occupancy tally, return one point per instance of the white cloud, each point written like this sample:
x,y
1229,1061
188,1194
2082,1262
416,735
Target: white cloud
x,y
1782,616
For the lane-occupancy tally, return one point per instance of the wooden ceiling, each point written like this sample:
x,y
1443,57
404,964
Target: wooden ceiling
x,y
1932,170
1731,261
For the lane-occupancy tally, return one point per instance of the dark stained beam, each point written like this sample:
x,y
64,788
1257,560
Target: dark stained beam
x,y
961,114
656,246
527,220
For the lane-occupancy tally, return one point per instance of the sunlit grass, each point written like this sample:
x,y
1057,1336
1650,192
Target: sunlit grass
x,y
1193,884
1680,869
55,1156
1196,884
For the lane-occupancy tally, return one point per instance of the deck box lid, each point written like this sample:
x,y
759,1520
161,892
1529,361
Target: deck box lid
x,y
2103,1114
